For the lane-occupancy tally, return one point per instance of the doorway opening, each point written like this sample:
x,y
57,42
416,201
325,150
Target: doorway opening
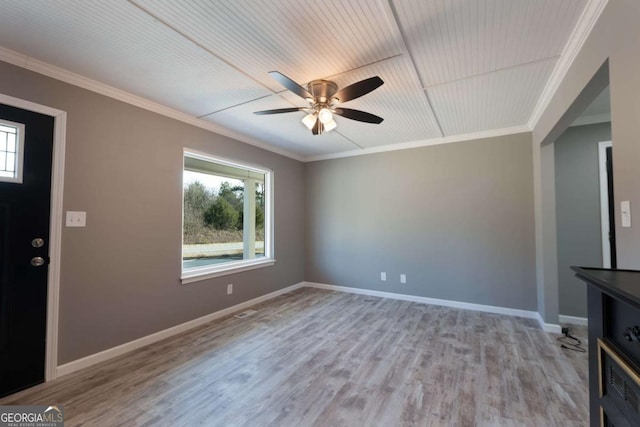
x,y
607,211
583,186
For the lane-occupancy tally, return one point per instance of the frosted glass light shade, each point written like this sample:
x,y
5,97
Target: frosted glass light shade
x,y
330,125
309,120
325,116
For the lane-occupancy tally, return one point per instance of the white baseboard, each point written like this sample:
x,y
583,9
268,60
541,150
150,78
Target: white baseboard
x,y
110,353
573,320
553,328
442,302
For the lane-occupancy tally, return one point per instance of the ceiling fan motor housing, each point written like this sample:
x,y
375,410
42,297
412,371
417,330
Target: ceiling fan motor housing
x,y
322,90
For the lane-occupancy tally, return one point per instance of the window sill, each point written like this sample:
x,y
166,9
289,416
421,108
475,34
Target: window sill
x,y
204,273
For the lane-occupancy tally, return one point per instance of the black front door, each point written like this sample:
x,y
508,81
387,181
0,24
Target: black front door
x,y
612,213
24,246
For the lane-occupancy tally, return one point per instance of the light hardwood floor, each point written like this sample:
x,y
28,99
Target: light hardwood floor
x,y
319,358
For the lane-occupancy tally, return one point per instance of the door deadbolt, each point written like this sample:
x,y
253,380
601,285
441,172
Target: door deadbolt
x,y
37,242
37,261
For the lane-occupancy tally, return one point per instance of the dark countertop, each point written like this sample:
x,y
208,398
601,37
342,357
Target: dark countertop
x,y
622,284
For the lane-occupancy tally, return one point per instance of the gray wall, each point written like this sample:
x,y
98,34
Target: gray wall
x,y
578,210
456,218
614,38
120,274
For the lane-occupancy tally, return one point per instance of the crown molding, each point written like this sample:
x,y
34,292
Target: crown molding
x,y
422,143
67,76
586,22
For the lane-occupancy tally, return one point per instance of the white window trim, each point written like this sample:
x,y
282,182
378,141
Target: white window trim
x,y
208,272
19,152
204,273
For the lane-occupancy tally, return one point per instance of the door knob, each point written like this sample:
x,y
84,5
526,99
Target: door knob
x,y
37,242
37,261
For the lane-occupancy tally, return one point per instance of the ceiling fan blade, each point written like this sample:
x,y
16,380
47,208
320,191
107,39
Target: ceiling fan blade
x,y
279,111
358,89
290,84
361,116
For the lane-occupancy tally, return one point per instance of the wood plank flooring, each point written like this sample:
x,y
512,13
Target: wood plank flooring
x,y
320,358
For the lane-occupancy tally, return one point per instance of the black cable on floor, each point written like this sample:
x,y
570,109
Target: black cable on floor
x,y
569,342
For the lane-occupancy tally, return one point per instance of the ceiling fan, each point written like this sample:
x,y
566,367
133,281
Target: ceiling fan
x,y
323,97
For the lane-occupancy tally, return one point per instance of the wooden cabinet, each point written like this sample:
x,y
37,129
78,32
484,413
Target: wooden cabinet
x,y
614,345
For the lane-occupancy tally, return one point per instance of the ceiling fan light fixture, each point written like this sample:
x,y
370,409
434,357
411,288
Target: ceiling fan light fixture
x,y
309,120
323,97
325,115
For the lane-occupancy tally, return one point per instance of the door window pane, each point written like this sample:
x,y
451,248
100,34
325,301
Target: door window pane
x,y
11,151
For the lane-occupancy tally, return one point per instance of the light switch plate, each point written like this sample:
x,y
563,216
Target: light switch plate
x,y
625,213
76,219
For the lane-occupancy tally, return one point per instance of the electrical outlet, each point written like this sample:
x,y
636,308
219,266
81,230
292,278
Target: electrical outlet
x,y
383,276
403,278
229,288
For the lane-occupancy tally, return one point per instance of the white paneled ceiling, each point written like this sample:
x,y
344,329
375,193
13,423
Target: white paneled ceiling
x,y
457,39
304,40
495,100
451,67
117,44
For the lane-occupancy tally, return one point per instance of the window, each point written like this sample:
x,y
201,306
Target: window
x,y
226,217
11,151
